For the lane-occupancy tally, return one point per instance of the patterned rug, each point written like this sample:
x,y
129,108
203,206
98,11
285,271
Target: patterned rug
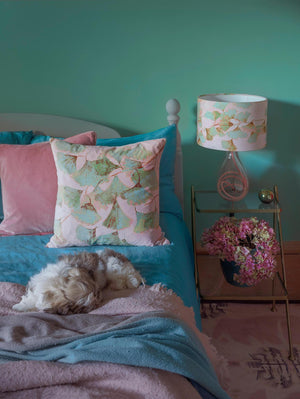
x,y
254,340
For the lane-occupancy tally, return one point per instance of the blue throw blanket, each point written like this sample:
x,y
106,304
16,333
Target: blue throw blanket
x,y
151,341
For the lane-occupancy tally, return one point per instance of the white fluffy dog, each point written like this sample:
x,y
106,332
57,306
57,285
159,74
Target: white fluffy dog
x,y
74,284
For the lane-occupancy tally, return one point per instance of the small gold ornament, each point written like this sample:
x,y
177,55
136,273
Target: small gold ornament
x,y
266,196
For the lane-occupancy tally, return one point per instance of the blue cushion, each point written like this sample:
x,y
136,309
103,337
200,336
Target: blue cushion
x,y
16,137
168,200
39,138
13,138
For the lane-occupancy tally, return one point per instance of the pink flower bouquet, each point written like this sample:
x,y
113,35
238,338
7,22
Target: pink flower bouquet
x,y
249,242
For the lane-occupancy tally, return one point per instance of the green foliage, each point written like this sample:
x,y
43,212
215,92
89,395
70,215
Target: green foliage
x,y
94,172
116,219
86,214
70,196
67,163
145,221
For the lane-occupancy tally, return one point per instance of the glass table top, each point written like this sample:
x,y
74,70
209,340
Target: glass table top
x,y
211,201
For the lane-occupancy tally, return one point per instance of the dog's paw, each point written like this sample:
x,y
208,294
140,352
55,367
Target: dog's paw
x,y
125,282
134,281
19,307
24,306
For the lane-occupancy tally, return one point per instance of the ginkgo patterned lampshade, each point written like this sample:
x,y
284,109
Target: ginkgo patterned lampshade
x,y
232,123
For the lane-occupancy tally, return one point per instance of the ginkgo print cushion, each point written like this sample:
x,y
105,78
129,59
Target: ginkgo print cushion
x,y
107,195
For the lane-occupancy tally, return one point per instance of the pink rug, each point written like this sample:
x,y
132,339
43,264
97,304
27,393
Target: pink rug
x,y
254,340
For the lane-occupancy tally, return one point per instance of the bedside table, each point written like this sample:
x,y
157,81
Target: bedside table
x,y
206,208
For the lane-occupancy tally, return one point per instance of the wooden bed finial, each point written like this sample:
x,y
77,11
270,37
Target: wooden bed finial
x,y
173,107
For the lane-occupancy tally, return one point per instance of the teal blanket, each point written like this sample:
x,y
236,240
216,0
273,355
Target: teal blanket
x,y
147,341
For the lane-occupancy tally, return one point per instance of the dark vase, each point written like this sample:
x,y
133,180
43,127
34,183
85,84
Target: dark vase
x,y
229,269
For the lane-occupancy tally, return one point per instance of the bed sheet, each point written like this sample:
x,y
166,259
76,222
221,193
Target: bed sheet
x,y
172,265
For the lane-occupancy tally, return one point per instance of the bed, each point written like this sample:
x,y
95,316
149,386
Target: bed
x,y
140,343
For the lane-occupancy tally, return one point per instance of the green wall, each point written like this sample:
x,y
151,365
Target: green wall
x,y
118,61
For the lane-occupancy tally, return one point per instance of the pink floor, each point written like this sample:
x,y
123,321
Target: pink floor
x,y
254,340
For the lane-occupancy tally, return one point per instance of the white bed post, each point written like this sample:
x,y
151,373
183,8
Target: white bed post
x,y
173,107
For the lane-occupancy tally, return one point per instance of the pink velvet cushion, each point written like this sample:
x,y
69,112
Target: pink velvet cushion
x,y
29,185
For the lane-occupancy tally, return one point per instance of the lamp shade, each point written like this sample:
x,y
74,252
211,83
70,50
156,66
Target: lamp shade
x,y
232,122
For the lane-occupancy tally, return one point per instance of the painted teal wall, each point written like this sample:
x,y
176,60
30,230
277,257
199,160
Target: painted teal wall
x,y
119,61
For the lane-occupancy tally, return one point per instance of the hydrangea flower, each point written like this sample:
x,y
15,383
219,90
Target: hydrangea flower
x,y
249,242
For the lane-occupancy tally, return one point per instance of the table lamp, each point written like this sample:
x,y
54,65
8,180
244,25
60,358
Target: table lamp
x,y
232,123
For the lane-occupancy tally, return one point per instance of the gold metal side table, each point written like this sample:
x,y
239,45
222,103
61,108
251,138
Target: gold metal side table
x,y
209,203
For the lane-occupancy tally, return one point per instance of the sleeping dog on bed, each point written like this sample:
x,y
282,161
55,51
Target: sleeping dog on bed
x,y
74,284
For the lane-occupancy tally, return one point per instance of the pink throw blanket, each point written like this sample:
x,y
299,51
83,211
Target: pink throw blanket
x,y
32,379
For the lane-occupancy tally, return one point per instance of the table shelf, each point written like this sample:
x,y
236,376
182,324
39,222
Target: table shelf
x,y
272,290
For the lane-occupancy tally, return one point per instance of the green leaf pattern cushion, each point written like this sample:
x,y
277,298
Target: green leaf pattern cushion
x,y
107,195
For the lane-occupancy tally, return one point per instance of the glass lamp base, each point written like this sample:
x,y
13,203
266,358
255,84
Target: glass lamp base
x,y
233,182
